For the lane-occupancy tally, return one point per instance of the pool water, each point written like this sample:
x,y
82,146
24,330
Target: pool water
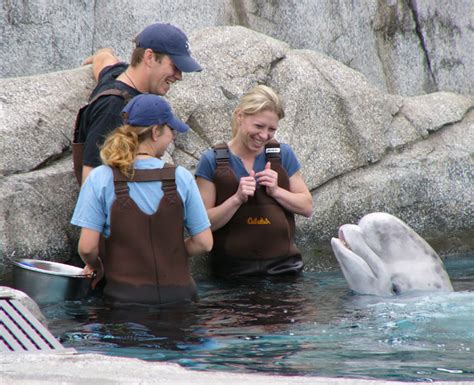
x,y
311,325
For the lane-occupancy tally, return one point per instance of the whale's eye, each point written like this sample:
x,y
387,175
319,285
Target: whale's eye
x,y
395,289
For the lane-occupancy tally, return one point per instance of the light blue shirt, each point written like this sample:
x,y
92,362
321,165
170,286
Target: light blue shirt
x,y
97,195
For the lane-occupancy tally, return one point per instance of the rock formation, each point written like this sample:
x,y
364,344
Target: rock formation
x,y
362,149
407,47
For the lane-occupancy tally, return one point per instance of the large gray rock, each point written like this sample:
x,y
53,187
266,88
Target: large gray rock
x,y
427,183
44,36
362,150
402,47
37,117
53,35
35,209
407,47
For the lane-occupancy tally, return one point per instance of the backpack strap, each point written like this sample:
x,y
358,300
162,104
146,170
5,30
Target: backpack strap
x,y
112,91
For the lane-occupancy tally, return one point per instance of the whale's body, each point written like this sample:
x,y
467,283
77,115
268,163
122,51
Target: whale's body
x,y
384,256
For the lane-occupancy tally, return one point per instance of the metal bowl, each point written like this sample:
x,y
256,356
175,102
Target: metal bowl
x,y
47,282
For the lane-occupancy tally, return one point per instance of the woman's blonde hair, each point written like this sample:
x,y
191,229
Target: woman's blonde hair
x,y
258,99
121,146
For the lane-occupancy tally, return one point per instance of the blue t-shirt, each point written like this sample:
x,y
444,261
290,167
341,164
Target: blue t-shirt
x,y
97,195
207,164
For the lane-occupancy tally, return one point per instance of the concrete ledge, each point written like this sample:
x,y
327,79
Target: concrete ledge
x,y
29,369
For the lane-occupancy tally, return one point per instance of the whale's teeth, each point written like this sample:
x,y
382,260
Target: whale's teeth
x,y
343,240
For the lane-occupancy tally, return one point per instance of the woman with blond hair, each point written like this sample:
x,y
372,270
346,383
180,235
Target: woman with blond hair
x,y
141,206
252,187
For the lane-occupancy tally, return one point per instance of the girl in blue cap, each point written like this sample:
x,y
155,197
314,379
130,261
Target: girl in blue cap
x,y
142,206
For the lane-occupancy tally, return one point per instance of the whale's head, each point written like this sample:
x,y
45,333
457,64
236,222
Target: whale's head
x,y
384,256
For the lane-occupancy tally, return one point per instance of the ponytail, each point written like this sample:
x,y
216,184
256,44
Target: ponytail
x,y
121,146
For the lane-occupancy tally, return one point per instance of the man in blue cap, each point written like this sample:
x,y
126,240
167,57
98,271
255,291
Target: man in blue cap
x,y
160,57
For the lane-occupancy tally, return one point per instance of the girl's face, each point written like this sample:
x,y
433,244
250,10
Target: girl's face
x,y
255,131
163,139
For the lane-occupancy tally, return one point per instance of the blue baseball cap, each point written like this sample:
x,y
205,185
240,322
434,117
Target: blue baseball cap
x,y
148,109
170,40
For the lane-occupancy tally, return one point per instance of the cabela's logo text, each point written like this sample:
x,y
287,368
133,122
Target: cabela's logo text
x,y
258,221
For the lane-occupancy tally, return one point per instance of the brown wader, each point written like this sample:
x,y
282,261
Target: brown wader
x,y
146,259
78,148
259,238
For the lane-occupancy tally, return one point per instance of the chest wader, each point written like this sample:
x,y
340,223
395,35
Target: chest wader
x,y
78,147
259,238
146,259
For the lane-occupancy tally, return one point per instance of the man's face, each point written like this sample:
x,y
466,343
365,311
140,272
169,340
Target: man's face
x,y
162,73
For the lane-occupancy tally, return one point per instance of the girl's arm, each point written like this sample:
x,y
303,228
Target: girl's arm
x,y
88,250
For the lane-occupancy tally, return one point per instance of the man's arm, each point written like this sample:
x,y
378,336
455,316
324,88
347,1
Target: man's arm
x,y
103,57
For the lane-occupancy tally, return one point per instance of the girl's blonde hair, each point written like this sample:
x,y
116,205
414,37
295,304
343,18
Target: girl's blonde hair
x,y
121,146
258,99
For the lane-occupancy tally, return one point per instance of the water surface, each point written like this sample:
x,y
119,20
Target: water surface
x,y
311,325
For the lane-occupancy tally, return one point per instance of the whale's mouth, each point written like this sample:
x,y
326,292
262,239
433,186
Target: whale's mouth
x,y
340,235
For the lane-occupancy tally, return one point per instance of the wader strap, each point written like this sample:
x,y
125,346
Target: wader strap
x,y
222,153
121,189
223,168
169,184
272,152
166,175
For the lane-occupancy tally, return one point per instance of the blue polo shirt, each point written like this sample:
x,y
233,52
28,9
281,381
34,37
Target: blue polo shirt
x,y
97,195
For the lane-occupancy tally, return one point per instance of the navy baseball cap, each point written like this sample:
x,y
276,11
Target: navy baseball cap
x,y
148,109
170,40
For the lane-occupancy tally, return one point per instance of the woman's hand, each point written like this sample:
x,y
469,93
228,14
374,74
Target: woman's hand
x,y
247,186
268,178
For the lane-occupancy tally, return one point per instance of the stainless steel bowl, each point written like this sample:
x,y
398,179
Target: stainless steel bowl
x,y
47,282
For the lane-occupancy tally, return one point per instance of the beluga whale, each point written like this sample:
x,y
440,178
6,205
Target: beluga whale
x,y
383,256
